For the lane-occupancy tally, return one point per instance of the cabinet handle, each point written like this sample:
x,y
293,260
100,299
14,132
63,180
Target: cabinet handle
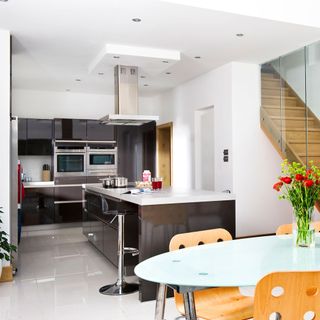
x,y
70,201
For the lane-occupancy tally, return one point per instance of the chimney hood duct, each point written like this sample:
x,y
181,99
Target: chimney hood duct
x,y
126,99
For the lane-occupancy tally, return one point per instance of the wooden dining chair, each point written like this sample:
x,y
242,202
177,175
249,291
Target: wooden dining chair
x,y
214,303
287,228
290,295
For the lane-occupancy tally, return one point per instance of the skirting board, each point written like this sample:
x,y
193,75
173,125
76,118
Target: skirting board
x,y
6,274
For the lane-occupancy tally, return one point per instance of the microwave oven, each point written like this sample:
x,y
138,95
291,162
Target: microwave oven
x,y
101,161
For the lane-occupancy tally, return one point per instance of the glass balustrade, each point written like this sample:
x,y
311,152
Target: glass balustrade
x,y
290,104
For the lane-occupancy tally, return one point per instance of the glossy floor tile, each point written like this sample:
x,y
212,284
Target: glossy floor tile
x,y
58,278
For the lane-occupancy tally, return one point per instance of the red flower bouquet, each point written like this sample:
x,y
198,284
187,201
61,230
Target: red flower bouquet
x,y
301,187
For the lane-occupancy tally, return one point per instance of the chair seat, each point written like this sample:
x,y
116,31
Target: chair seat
x,y
220,304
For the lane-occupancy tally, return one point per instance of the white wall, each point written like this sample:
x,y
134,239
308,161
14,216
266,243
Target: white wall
x,y
179,105
51,104
54,104
256,164
234,91
5,128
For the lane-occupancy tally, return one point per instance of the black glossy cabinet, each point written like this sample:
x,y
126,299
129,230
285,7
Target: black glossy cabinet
x,y
102,230
35,137
67,204
22,137
67,212
97,131
39,137
136,150
70,129
38,206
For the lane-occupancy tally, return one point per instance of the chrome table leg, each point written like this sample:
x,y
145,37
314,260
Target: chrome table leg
x,y
189,307
160,302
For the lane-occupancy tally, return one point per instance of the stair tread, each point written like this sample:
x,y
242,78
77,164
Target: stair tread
x,y
270,106
270,79
290,118
309,154
301,129
278,97
303,141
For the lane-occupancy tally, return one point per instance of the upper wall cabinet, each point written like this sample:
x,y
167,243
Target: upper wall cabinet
x,y
99,132
70,129
22,137
39,137
35,137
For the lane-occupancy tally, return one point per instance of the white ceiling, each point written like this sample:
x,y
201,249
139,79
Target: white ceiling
x,y
55,42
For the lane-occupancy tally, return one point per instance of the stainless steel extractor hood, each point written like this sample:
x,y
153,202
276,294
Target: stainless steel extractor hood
x,y
126,99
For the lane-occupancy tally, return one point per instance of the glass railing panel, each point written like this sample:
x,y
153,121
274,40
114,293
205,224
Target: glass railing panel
x,y
293,107
270,114
313,101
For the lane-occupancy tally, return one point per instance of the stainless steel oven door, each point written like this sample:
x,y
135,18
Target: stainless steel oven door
x,y
102,161
68,164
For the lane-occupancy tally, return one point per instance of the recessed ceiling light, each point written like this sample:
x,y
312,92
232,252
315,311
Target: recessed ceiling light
x,y
146,85
168,72
239,35
116,57
136,20
142,77
78,80
100,73
197,57
165,61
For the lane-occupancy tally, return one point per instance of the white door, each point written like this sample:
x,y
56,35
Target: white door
x,y
204,149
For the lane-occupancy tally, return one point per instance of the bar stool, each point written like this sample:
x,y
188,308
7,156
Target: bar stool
x,y
121,287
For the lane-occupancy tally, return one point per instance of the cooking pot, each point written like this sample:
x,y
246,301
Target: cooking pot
x,y
116,182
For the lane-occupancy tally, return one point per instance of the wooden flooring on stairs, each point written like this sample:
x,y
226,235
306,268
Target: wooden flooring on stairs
x,y
287,113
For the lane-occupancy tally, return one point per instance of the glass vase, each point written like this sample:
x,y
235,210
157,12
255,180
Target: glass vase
x,y
303,229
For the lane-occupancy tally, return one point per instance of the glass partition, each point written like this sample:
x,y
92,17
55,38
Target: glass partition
x,y
290,104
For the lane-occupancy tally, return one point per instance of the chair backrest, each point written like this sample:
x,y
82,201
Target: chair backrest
x,y
287,228
288,296
192,239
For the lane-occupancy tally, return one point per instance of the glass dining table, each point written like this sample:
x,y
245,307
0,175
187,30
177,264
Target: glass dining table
x,y
241,262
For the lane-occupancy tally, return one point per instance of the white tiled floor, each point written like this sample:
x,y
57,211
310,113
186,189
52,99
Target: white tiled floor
x,y
59,277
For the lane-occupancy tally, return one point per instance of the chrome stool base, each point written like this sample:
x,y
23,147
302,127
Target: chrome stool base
x,y
119,290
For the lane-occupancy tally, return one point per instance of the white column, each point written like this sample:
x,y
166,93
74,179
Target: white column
x,y
5,128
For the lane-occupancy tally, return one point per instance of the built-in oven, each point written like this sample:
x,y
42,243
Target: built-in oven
x,y
69,159
101,159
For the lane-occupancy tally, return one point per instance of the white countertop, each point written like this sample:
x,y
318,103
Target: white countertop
x,y
47,184
165,196
38,184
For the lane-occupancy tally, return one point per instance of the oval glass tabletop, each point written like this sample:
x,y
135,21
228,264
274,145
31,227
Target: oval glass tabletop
x,y
231,263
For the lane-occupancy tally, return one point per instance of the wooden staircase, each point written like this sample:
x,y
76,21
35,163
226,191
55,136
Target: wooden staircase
x,y
291,126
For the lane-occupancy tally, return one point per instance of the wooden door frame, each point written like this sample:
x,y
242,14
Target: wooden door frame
x,y
159,127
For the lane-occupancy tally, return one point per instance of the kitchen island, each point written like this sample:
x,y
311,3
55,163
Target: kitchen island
x,y
153,219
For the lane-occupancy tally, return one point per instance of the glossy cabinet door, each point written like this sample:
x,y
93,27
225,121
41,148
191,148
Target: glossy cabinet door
x,y
39,137
70,129
22,137
97,131
38,206
68,204
129,152
136,150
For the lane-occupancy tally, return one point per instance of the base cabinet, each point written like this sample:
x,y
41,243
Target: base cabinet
x,y
102,230
38,206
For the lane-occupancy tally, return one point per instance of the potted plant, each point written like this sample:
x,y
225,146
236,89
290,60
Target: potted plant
x,y
5,247
301,187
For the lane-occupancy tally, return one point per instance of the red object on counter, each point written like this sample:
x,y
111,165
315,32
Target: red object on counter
x,y
20,184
